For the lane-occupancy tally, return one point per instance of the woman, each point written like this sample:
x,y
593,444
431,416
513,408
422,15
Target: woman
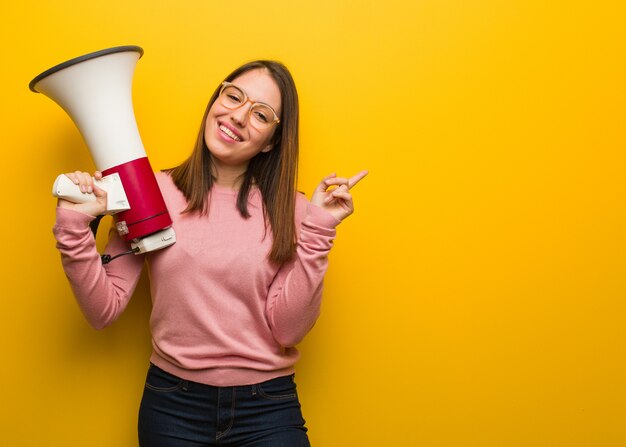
x,y
241,286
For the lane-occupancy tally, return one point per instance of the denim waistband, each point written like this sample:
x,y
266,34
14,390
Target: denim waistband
x,y
251,386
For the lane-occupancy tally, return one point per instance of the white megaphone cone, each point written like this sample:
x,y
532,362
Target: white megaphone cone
x,y
96,92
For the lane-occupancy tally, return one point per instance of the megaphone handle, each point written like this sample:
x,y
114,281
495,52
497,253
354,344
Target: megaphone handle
x,y
64,188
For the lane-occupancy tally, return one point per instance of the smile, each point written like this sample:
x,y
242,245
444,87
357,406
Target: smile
x,y
230,133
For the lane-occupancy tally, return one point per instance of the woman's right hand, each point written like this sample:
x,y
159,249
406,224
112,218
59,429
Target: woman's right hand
x,y
85,182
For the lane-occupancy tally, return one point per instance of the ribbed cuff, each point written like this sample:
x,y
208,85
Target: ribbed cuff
x,y
320,217
72,220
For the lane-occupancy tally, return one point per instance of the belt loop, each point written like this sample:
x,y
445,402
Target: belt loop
x,y
253,387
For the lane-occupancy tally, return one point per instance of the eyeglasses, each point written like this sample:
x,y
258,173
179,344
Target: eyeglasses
x,y
261,115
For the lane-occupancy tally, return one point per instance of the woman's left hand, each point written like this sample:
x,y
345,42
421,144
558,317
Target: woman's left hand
x,y
338,200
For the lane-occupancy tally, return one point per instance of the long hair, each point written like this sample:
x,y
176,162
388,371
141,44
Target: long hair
x,y
273,172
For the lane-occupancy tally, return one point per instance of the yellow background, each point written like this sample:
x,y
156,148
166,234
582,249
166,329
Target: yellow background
x,y
476,297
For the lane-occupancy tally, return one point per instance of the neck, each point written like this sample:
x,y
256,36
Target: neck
x,y
228,176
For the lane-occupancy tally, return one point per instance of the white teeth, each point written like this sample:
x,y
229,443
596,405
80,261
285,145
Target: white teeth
x,y
230,133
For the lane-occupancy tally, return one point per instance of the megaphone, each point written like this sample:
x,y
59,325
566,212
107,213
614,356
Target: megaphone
x,y
96,92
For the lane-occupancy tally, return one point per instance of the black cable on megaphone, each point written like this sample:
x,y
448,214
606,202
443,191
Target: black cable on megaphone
x,y
106,258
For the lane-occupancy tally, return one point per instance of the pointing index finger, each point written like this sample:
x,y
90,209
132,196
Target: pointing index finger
x,y
357,178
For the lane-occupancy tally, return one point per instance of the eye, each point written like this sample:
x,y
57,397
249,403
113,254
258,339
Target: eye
x,y
261,116
234,97
263,113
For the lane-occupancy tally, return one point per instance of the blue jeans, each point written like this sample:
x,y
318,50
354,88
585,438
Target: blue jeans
x,y
181,413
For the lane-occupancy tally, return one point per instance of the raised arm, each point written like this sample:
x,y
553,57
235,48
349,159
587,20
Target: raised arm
x,y
295,296
102,291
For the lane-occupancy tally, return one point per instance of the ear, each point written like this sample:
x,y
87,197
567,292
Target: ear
x,y
267,148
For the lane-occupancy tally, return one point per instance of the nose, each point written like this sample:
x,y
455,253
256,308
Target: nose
x,y
240,115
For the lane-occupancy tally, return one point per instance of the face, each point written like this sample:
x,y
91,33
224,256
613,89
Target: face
x,y
228,133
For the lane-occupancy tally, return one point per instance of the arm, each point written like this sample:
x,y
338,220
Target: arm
x,y
295,296
102,292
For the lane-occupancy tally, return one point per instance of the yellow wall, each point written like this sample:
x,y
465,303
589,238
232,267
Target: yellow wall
x,y
477,296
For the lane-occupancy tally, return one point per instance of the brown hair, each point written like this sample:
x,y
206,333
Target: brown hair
x,y
274,172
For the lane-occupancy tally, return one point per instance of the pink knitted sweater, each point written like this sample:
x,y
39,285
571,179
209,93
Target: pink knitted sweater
x,y
222,314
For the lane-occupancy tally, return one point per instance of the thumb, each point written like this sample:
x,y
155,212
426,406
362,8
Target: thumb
x,y
98,192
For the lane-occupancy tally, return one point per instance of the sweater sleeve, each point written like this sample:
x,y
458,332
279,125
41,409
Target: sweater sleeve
x,y
102,291
295,295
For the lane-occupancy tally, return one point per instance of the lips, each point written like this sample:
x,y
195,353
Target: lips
x,y
230,132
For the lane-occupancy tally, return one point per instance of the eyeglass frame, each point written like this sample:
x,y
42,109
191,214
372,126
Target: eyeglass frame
x,y
226,84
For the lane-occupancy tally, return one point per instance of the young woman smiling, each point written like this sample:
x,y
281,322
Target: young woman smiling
x,y
242,285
